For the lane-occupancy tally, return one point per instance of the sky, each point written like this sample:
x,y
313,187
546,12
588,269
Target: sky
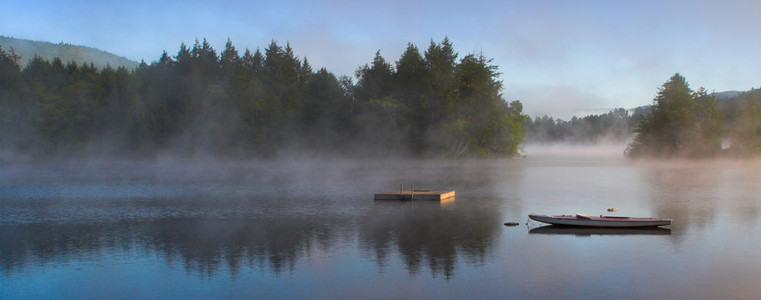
x,y
559,58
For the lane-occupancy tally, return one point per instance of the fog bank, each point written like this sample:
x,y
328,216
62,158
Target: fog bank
x,y
580,151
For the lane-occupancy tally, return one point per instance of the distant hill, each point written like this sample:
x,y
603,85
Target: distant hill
x,y
731,101
726,95
615,126
27,49
728,100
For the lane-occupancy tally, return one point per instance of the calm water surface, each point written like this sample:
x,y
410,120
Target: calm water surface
x,y
307,229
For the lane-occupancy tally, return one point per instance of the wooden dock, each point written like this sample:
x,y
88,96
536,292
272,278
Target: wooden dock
x,y
415,195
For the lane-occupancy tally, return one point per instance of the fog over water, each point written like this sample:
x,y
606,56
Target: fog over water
x,y
295,228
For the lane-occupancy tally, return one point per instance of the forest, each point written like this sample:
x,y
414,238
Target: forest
x,y
686,123
613,127
681,123
260,104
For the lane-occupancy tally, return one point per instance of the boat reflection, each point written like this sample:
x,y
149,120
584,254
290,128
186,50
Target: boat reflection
x,y
590,231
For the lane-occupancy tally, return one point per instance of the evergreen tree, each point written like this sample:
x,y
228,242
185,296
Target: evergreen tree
x,y
374,81
230,62
681,123
480,112
378,108
441,61
14,112
254,104
282,70
710,125
410,81
745,135
327,118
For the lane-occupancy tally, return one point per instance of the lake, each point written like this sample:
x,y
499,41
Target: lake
x,y
309,228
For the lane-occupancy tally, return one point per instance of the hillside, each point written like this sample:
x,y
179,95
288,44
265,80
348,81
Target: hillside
x,y
27,49
616,126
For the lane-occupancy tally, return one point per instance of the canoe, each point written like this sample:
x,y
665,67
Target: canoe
x,y
599,221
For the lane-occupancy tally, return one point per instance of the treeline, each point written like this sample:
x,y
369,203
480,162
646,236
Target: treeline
x,y
614,126
692,124
257,104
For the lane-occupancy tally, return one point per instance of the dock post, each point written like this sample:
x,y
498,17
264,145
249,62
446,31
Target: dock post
x,y
401,192
412,193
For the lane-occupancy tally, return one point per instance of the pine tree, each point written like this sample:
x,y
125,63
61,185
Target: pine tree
x,y
410,81
681,123
14,112
745,134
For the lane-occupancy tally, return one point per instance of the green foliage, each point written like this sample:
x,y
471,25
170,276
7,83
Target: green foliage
x,y
14,112
745,133
681,123
478,101
258,103
432,105
614,126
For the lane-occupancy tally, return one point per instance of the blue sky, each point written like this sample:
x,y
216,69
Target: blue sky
x,y
560,58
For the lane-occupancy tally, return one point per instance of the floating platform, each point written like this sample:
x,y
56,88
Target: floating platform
x,y
415,195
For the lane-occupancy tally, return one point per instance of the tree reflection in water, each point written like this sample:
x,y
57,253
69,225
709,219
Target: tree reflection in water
x,y
423,233
270,217
428,234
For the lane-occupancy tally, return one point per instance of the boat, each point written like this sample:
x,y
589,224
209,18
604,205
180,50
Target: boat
x,y
599,221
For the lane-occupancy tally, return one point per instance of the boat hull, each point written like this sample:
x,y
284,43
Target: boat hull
x,y
599,221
